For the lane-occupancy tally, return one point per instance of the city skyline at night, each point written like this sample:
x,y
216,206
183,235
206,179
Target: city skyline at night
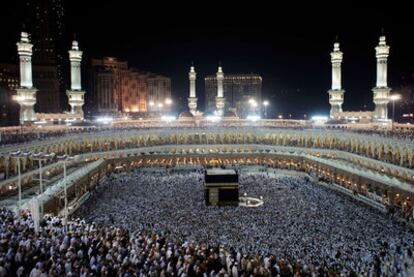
x,y
289,49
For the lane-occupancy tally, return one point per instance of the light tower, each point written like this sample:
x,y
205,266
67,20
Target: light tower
x,y
26,93
336,93
192,100
75,94
220,100
381,91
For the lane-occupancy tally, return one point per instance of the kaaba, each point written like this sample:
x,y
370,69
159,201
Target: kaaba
x,y
221,187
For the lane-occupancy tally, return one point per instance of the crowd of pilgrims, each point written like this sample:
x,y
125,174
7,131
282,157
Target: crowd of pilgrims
x,y
154,222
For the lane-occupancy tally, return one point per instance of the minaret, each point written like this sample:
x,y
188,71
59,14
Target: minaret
x,y
381,91
26,93
75,94
220,100
336,93
192,99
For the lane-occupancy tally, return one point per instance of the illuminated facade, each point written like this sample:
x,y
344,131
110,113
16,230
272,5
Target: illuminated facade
x,y
134,92
361,163
119,89
356,117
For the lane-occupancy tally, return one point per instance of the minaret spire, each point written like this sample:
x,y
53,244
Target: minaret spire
x,y
381,91
75,94
336,93
192,99
26,93
220,100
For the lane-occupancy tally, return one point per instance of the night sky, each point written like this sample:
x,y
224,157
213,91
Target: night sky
x,y
288,45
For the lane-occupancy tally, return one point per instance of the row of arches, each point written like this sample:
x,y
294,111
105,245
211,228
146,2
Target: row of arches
x,y
396,152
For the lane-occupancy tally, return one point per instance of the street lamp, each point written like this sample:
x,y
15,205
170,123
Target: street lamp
x,y
265,104
393,98
160,106
64,159
253,104
151,104
168,101
17,155
41,157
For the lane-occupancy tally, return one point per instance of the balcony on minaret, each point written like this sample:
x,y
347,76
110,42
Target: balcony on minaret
x,y
75,94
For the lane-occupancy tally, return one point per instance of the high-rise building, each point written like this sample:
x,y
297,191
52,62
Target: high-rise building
x,y
105,88
159,93
105,85
115,88
238,90
44,79
9,82
44,20
134,92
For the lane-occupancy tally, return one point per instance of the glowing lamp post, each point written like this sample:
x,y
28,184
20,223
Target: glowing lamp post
x,y
41,157
252,102
253,105
265,104
160,106
168,102
151,105
17,155
393,98
64,159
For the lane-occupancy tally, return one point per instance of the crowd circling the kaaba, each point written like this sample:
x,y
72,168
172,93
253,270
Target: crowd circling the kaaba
x,y
153,222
